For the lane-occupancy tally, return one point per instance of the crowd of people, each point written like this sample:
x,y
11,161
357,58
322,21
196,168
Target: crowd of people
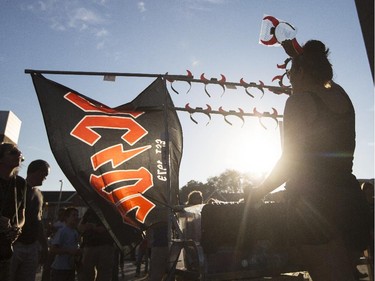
x,y
82,249
72,247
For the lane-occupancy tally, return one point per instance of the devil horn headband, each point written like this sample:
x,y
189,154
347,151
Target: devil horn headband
x,y
292,48
275,32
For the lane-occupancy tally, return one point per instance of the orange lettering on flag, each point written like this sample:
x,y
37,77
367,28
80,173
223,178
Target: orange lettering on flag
x,y
128,195
128,185
87,106
116,155
138,203
84,129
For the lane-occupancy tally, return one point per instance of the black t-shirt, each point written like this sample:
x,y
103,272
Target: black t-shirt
x,y
10,201
92,237
33,216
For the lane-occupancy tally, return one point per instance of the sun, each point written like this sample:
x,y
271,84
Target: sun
x,y
255,151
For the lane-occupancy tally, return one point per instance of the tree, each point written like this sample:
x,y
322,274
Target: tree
x,y
230,181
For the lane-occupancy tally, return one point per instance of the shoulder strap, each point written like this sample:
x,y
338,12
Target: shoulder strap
x,y
23,192
15,199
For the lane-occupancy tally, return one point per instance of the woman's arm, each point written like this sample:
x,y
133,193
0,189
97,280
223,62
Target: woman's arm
x,y
298,112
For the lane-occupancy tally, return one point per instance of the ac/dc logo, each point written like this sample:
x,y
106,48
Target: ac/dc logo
x,y
129,196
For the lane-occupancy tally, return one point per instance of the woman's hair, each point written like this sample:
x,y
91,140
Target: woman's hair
x,y
6,147
314,62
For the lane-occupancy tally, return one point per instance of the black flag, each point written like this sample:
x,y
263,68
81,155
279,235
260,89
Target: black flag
x,y
124,161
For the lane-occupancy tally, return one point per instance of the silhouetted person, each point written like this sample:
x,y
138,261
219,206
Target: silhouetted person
x,y
59,223
12,204
98,250
65,246
194,198
26,250
328,218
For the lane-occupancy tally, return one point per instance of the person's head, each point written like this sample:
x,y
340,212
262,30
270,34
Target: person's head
x,y
71,217
311,67
37,172
10,156
195,197
61,214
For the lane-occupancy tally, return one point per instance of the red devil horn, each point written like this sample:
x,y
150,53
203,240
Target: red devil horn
x,y
272,41
278,77
204,79
256,113
222,110
297,46
190,75
272,19
242,82
292,48
187,106
274,113
283,66
223,79
169,79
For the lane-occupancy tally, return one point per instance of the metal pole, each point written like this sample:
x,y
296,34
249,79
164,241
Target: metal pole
x,y
60,194
155,75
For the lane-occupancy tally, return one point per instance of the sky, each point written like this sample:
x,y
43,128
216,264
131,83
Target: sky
x,y
213,37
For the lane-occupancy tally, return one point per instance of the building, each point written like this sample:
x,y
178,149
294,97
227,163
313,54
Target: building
x,y
54,200
10,126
